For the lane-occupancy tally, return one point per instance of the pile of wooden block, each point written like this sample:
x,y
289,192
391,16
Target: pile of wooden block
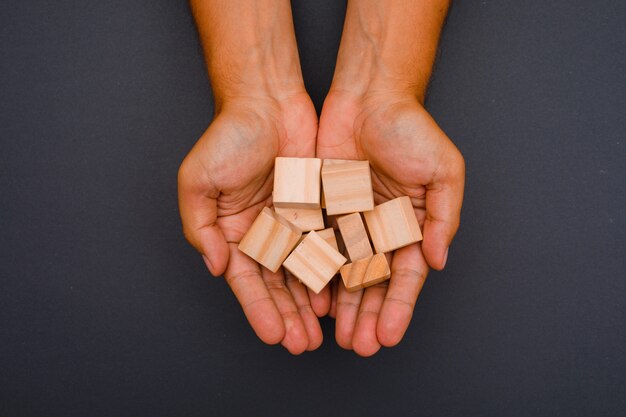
x,y
295,235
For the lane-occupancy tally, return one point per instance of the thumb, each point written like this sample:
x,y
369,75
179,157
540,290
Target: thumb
x,y
197,201
444,197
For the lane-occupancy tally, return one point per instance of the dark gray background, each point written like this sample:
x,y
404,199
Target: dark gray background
x,y
106,311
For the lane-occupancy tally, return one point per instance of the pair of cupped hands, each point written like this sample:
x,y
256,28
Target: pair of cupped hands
x,y
227,178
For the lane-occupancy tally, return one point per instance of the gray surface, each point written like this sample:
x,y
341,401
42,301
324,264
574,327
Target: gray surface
x,y
105,310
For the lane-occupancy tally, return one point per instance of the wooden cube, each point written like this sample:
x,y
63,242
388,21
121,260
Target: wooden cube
x,y
347,186
314,262
270,239
329,236
305,219
297,182
354,236
365,272
393,225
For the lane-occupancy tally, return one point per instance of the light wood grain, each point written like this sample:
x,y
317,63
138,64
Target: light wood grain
x,y
354,236
393,225
365,272
329,236
314,262
297,182
305,219
347,186
270,239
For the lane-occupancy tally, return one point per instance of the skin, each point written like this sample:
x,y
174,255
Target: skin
x,y
373,111
262,111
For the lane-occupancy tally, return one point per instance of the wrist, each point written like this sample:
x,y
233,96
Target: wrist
x,y
371,71
274,104
376,88
389,47
361,103
374,72
250,48
257,77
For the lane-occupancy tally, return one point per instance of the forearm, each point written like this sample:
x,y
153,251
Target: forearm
x,y
249,47
389,46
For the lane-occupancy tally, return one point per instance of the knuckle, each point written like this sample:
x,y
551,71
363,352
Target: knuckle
x,y
305,308
290,314
233,279
413,274
251,303
366,312
275,284
350,304
402,303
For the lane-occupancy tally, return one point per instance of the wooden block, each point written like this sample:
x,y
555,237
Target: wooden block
x,y
365,272
329,236
270,239
354,236
393,225
332,221
297,182
341,246
305,219
347,186
314,262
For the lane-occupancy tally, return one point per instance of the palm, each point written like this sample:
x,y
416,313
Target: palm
x,y
398,138
241,148
241,172
224,183
406,150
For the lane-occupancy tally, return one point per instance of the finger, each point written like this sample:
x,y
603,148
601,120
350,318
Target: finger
x,y
347,310
296,340
198,211
243,275
365,341
320,302
444,198
334,286
309,318
408,273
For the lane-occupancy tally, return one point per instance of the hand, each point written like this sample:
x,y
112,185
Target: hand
x,y
409,155
224,182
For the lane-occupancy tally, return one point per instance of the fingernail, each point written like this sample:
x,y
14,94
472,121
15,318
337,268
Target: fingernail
x,y
445,258
208,263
